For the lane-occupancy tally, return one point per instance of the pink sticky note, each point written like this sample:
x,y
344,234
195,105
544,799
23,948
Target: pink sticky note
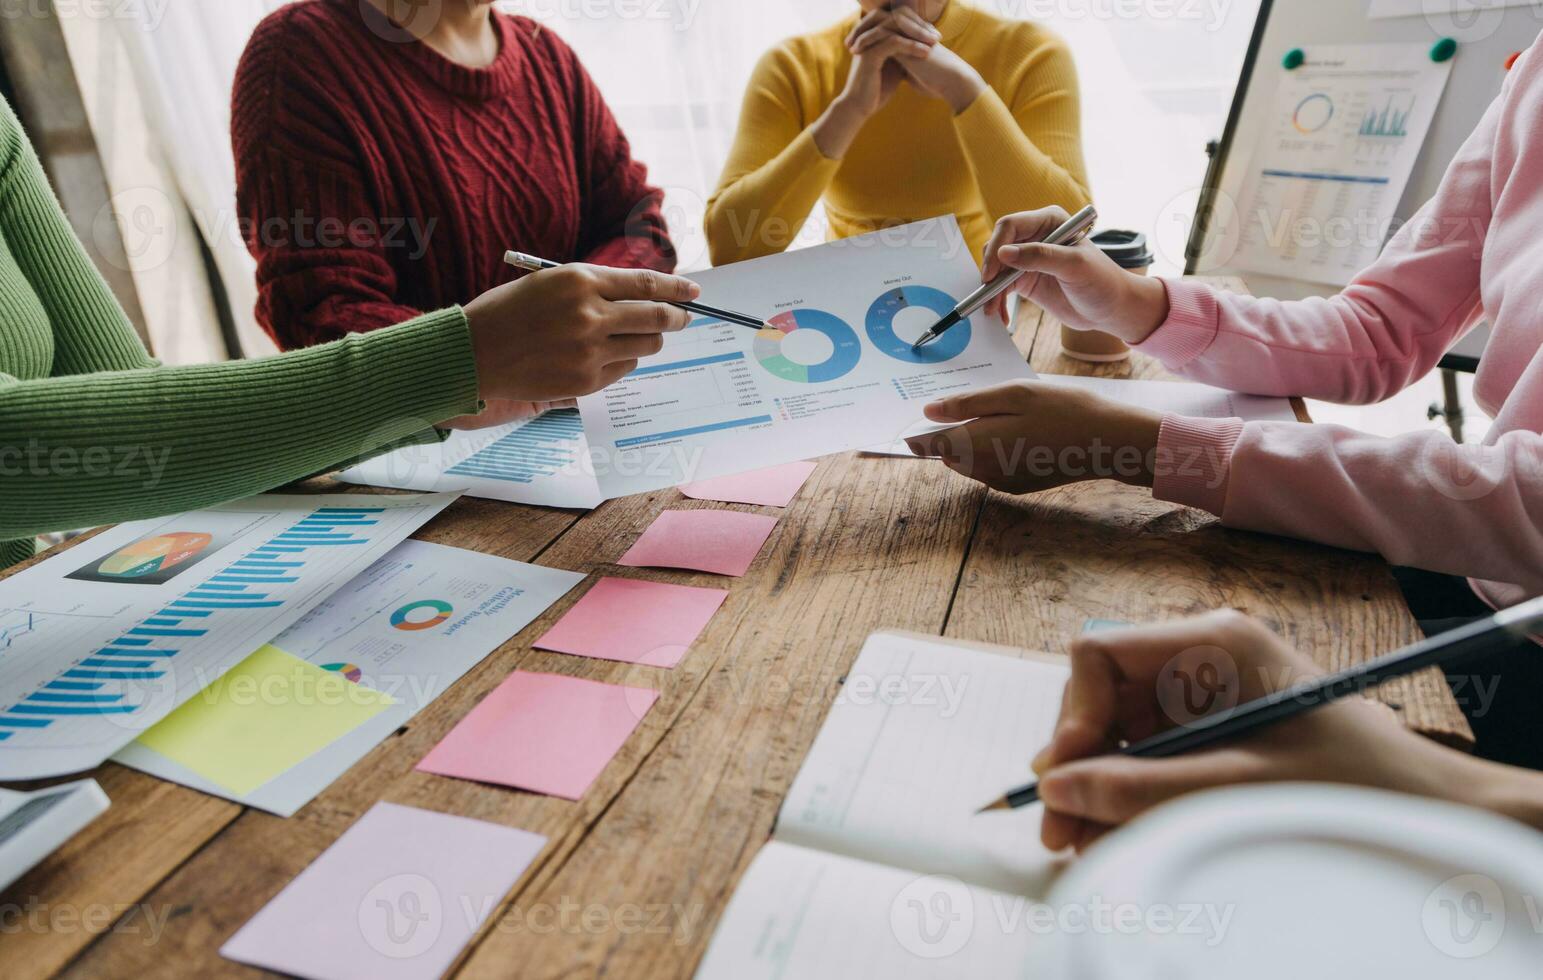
x,y
724,542
633,621
395,897
542,732
774,486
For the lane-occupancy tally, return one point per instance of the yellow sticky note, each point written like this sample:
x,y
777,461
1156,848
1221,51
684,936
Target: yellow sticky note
x,y
270,712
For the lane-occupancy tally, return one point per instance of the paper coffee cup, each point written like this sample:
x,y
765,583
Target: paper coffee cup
x,y
1129,251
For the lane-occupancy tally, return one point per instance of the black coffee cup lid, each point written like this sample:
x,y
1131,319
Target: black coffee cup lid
x,y
1127,248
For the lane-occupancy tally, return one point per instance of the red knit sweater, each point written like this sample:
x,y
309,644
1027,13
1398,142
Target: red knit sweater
x,y
377,179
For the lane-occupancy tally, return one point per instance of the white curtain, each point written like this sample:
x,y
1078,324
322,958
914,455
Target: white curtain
x,y
1157,77
184,54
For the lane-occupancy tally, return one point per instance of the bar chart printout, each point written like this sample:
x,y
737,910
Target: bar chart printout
x,y
105,639
543,460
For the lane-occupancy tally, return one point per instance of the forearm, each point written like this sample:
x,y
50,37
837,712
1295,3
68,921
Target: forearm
x,y
1417,499
1013,172
1508,790
760,212
302,305
94,449
638,239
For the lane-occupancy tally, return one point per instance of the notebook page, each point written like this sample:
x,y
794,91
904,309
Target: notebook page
x,y
806,914
922,735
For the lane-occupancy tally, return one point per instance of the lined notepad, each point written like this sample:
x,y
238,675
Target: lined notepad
x,y
878,848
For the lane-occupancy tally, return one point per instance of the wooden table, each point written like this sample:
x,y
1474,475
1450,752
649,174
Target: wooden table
x,y
636,875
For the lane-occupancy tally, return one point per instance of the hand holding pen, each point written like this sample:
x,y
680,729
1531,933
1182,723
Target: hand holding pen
x,y
997,280
1082,287
532,263
1151,713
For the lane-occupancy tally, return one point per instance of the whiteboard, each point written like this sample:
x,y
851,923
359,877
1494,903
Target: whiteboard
x,y
1486,37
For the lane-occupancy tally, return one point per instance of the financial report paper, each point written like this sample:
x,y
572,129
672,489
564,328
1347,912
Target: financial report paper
x,y
102,641
832,371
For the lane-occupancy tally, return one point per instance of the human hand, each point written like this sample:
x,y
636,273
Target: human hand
x,y
875,41
1027,436
501,411
1129,684
939,73
1079,285
565,332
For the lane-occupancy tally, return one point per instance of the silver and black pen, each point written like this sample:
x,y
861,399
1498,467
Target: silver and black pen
x,y
532,263
1074,230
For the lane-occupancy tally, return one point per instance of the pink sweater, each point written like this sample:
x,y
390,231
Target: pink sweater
x,y
1474,251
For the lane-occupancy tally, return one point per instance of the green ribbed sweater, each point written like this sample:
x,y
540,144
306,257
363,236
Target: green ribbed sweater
x,y
93,430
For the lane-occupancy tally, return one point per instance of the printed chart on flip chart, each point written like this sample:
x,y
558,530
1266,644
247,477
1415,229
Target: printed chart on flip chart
x,y
833,369
1326,176
102,641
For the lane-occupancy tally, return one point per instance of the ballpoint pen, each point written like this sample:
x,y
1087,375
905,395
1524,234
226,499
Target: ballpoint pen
x,y
1488,635
1074,230
531,263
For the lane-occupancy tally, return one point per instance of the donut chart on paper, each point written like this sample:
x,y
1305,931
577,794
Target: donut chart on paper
x,y
1312,113
425,614
881,325
846,349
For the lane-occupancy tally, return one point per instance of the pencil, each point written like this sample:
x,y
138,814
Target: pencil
x,y
1482,636
532,263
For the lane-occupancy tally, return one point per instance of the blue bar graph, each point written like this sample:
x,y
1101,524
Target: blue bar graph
x,y
81,690
140,652
694,430
681,365
541,447
84,709
95,674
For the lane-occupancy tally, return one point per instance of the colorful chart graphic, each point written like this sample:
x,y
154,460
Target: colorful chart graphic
x,y
845,347
411,616
1389,121
350,671
881,325
1313,113
154,554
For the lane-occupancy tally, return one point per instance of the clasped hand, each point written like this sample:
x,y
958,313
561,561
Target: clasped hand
x,y
898,43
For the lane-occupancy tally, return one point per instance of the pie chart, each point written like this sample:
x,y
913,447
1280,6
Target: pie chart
x,y
916,308
1313,113
153,554
807,346
425,614
350,671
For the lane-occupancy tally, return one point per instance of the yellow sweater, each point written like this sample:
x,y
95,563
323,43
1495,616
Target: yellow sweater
x,y
1017,146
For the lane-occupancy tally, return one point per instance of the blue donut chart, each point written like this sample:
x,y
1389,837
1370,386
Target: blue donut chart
x,y
881,325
